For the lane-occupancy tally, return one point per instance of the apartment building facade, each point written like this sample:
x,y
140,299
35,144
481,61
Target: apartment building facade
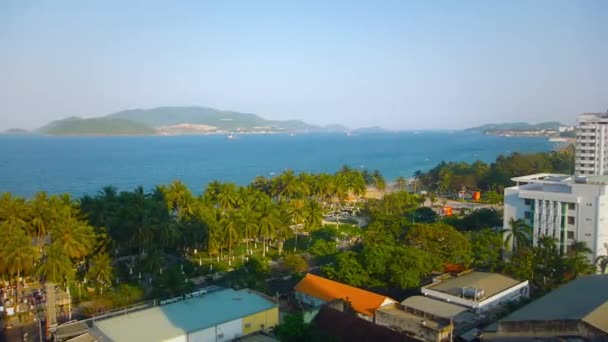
x,y
592,145
567,208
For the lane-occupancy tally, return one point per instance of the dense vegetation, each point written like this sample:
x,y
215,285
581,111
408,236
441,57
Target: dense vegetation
x,y
157,239
123,246
96,126
448,178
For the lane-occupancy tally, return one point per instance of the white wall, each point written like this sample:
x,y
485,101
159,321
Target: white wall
x,y
309,300
230,330
508,295
182,338
221,332
591,212
207,335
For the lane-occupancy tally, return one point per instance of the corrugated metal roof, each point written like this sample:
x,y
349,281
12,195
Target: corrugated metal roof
x,y
433,307
190,315
362,301
584,298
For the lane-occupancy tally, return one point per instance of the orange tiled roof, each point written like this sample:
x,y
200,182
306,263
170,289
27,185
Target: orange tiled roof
x,y
362,301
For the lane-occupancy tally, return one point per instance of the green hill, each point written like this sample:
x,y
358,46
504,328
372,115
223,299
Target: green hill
x,y
517,126
96,126
222,120
173,120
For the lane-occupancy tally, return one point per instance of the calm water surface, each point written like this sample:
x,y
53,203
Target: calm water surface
x,y
79,165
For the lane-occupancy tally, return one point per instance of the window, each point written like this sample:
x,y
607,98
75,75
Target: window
x,y
570,219
571,235
527,201
527,215
571,206
247,325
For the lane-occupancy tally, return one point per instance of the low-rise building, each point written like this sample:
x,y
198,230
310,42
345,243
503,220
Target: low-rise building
x,y
219,316
425,318
478,291
576,311
316,291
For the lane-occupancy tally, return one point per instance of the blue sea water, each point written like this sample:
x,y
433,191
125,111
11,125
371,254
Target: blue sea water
x,y
80,165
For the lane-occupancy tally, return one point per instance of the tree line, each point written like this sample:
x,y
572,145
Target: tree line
x,y
397,253
451,177
61,239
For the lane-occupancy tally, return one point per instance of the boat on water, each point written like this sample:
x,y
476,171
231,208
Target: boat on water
x,y
230,136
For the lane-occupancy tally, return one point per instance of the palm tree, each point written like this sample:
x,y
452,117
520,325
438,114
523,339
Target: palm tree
x,y
417,175
268,221
248,218
17,254
547,261
379,181
577,260
295,210
179,199
401,182
40,216
287,185
229,223
100,269
313,217
14,210
602,262
56,265
228,196
519,235
75,236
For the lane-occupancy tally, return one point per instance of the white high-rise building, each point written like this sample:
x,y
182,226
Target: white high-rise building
x,y
592,144
567,208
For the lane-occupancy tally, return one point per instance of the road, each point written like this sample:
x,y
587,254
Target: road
x,y
26,332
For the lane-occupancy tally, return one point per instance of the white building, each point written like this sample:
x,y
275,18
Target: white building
x,y
478,291
592,144
567,208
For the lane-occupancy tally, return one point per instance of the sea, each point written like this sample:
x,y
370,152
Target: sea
x,y
84,165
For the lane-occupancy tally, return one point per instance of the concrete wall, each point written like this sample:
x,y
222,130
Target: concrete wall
x,y
309,300
222,332
412,327
508,295
261,321
549,329
182,338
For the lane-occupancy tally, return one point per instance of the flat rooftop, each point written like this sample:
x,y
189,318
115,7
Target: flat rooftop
x,y
416,320
433,306
543,178
491,283
555,178
172,320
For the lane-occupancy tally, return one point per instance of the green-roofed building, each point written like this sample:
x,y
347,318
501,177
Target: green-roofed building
x,y
578,309
217,316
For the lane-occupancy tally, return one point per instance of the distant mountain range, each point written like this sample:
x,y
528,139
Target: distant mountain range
x,y
175,121
517,127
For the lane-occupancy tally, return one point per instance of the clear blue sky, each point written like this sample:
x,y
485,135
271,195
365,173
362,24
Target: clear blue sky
x,y
398,64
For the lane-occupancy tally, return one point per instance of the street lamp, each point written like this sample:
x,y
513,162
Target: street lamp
x,y
37,319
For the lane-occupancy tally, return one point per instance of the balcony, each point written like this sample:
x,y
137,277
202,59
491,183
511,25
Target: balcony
x,y
585,155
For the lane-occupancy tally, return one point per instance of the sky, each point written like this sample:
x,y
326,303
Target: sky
x,y
396,64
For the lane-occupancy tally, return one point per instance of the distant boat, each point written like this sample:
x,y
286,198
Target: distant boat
x,y
348,134
230,136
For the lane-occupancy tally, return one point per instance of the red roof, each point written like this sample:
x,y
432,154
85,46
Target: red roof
x,y
362,301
